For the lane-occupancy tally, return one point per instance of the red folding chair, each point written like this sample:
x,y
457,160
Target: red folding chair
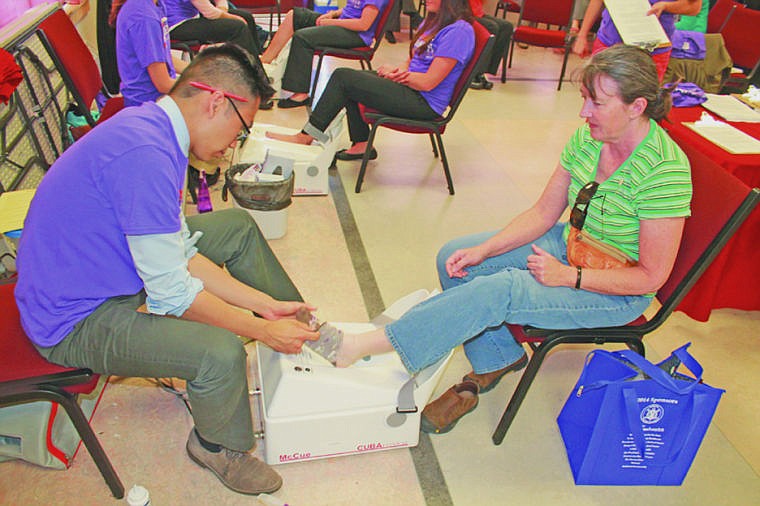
x,y
741,34
27,377
551,13
719,13
434,128
76,65
720,204
506,6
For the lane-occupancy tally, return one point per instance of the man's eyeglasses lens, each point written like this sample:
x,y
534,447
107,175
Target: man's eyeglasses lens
x,y
243,135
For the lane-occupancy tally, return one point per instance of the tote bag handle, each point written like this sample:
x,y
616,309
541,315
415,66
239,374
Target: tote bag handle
x,y
662,377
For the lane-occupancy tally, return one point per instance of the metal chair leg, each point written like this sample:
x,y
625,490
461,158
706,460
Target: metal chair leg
x,y
68,402
365,158
564,66
435,148
316,76
445,162
526,380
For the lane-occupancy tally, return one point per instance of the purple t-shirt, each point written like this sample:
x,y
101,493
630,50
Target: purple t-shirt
x,y
179,10
142,38
455,41
609,36
353,10
123,178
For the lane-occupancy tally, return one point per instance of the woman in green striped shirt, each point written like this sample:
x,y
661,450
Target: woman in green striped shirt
x,y
635,207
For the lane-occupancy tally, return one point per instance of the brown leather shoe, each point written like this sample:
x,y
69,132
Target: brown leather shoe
x,y
489,380
442,414
239,471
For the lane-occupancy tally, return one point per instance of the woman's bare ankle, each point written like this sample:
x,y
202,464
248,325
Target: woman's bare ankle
x,y
346,352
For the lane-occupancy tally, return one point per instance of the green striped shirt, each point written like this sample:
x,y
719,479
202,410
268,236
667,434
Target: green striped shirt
x,y
654,182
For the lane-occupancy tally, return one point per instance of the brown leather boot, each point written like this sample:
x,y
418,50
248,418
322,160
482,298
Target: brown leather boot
x,y
442,414
489,380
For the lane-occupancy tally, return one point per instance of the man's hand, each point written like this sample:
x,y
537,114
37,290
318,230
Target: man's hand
x,y
284,309
287,335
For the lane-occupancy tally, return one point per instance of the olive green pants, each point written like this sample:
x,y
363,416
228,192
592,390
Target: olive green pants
x,y
116,339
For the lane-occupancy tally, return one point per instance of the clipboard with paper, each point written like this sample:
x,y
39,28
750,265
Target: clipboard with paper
x,y
635,27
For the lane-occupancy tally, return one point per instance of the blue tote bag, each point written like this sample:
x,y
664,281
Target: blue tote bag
x,y
631,422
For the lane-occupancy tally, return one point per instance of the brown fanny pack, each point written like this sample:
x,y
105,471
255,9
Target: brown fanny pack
x,y
590,253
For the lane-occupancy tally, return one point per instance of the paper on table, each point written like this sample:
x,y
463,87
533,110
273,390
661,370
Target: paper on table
x,y
13,208
633,24
727,137
731,109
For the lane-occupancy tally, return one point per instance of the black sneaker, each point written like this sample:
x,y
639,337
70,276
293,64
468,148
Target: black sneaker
x,y
390,37
480,82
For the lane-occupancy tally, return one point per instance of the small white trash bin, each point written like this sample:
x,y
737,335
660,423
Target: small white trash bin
x,y
265,200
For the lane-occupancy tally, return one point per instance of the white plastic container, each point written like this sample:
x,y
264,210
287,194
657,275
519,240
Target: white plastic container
x,y
312,410
310,163
276,69
138,496
273,224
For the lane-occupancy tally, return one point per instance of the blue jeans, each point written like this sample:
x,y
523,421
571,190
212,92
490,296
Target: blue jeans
x,y
473,310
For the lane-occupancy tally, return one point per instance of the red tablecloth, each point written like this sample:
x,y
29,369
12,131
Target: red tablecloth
x,y
732,280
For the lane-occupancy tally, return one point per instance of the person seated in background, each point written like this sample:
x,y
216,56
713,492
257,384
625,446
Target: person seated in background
x,y
631,185
394,23
608,35
421,88
112,277
697,23
207,22
351,26
502,31
143,51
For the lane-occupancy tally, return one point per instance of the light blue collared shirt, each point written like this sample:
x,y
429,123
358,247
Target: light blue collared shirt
x,y
161,259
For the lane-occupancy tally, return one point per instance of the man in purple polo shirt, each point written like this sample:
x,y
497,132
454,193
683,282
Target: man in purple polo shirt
x,y
112,277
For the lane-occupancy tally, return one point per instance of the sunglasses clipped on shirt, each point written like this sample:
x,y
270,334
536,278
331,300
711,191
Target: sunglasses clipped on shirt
x,y
243,135
580,209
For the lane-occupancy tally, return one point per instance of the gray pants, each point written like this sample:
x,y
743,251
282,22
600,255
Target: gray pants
x,y
115,339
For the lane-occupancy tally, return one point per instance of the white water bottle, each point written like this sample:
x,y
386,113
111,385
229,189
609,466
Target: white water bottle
x,y
138,496
270,500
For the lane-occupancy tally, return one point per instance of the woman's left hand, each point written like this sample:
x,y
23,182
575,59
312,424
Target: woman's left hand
x,y
546,269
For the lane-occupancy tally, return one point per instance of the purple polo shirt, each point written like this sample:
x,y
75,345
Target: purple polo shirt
x,y
609,36
123,178
455,41
179,10
353,10
142,38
